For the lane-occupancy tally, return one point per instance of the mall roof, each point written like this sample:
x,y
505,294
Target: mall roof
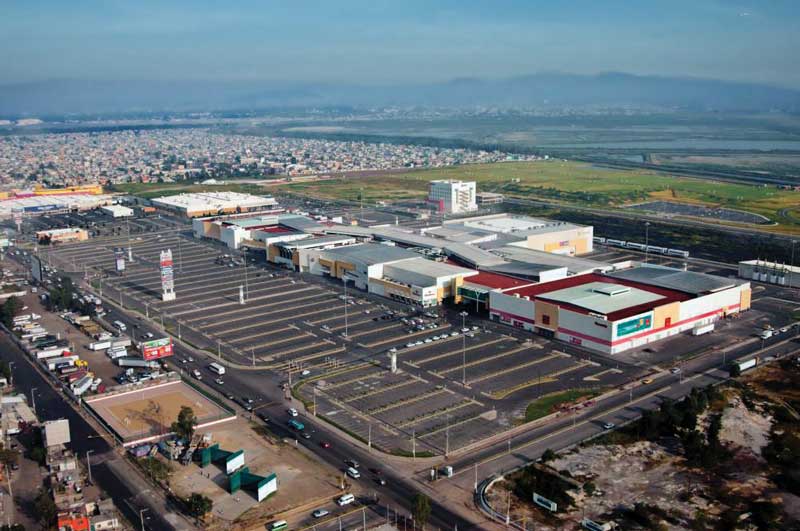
x,y
602,297
313,242
544,290
495,281
371,253
202,201
677,279
546,260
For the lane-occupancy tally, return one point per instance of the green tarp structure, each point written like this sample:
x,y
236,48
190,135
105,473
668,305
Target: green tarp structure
x,y
214,454
262,486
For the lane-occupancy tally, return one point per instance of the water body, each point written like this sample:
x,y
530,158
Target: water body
x,y
688,144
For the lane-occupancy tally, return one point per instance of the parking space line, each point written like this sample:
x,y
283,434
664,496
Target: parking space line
x,y
454,352
390,340
383,389
483,360
406,402
515,368
446,411
547,378
262,334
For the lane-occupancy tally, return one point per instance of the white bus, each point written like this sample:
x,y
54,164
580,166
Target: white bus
x,y
217,368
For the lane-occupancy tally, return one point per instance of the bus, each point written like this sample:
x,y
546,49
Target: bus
x,y
217,368
280,524
295,425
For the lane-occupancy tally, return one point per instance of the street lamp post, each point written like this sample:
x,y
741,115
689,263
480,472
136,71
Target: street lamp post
x,y
344,281
791,271
141,517
33,399
89,465
646,239
463,348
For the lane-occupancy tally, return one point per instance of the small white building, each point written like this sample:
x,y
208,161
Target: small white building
x,y
453,197
117,211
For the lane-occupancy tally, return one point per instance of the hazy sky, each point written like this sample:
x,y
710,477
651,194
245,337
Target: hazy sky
x,y
378,41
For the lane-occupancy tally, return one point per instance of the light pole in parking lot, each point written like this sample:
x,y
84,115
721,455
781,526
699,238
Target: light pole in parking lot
x,y
344,281
246,288
791,272
463,348
646,239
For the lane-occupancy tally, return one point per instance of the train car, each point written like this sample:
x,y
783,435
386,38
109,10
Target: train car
x,y
678,252
616,243
598,239
656,249
635,246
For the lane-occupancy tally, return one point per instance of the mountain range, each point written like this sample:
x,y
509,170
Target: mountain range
x,y
548,89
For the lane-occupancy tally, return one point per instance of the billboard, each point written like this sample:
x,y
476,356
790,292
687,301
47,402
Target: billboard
x,y
36,268
634,325
167,276
119,259
157,348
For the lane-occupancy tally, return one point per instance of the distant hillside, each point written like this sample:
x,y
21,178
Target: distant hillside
x,y
537,90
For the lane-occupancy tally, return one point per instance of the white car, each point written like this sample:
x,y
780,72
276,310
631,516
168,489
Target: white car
x,y
609,426
305,372
319,513
292,412
675,370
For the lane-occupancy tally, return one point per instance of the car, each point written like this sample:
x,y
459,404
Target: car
x,y
184,361
352,463
306,435
149,335
263,416
247,400
647,381
428,340
675,370
229,396
292,412
219,381
191,359
325,444
319,513
380,481
609,426
453,334
305,372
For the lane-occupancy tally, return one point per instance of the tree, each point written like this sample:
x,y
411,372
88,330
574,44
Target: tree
x,y
11,309
45,507
5,370
9,457
421,508
199,505
184,426
548,455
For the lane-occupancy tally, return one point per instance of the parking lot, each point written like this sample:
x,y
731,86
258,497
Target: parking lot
x,y
454,385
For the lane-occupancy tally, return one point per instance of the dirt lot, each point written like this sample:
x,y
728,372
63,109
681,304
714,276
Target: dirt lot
x,y
301,481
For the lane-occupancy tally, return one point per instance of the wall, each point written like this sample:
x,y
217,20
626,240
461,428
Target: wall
x,y
508,309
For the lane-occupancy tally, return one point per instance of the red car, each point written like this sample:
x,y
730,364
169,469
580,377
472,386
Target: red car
x,y
325,444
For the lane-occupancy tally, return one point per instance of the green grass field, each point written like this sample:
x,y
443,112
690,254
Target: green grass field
x,y
569,183
549,403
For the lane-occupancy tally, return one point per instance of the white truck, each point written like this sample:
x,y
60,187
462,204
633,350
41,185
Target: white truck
x,y
137,362
49,352
100,345
117,352
81,386
703,329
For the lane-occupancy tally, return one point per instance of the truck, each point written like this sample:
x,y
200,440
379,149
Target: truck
x,y
121,342
114,353
22,319
703,329
137,362
60,361
82,385
100,345
64,372
75,376
50,352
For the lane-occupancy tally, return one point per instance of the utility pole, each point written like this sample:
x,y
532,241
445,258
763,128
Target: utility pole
x,y
33,400
219,350
180,255
646,239
791,271
244,260
89,465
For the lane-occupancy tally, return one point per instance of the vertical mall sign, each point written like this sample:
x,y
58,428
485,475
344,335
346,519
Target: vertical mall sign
x,y
157,348
167,278
119,259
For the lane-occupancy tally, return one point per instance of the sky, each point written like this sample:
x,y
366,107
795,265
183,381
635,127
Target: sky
x,y
378,42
